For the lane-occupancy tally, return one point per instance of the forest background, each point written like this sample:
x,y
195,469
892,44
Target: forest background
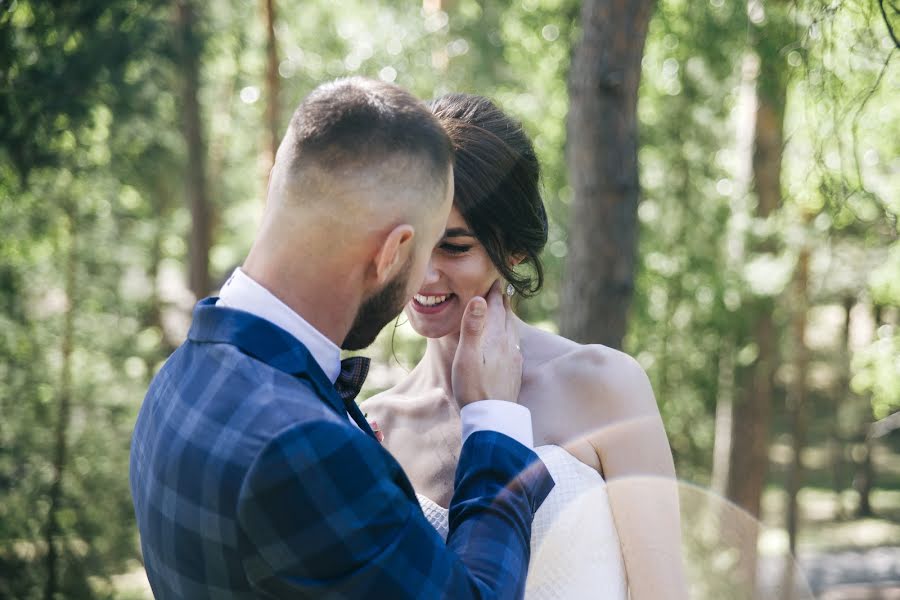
x,y
722,183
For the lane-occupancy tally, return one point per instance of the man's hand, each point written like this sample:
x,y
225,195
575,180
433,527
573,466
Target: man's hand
x,y
488,363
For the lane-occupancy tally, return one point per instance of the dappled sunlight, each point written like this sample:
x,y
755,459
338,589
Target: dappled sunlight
x,y
720,203
132,585
720,538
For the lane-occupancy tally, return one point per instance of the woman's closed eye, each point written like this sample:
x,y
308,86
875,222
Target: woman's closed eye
x,y
455,248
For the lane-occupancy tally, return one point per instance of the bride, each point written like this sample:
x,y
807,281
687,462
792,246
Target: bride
x,y
610,527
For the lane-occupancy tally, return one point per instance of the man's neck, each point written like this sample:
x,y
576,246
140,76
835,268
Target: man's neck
x,y
324,301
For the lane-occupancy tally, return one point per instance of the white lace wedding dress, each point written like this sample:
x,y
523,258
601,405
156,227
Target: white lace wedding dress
x,y
575,549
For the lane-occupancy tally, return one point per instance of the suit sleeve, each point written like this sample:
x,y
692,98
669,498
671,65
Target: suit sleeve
x,y
326,511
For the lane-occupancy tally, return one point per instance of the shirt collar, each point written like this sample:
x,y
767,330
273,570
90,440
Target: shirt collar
x,y
241,292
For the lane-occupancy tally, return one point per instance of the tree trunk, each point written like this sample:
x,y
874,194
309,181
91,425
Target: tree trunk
x,y
271,137
797,399
190,44
160,193
602,157
749,457
64,410
797,395
724,417
844,393
864,479
727,385
752,411
751,416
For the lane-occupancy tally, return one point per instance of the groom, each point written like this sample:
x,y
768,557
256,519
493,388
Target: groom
x,y
253,472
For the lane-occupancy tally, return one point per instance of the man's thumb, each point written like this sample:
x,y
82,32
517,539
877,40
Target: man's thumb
x,y
473,318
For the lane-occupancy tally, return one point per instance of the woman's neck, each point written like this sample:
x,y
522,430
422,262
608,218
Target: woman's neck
x,y
436,367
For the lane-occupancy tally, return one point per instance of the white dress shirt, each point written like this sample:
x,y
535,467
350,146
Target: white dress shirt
x,y
243,293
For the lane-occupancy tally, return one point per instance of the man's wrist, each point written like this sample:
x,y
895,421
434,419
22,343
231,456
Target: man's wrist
x,y
508,418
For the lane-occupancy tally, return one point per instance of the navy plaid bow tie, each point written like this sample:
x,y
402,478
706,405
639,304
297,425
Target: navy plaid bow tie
x,y
349,382
352,376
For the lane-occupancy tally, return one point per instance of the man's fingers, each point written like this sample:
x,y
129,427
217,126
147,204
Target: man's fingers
x,y
473,320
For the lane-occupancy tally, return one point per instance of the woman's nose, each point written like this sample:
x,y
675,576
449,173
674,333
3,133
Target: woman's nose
x,y
431,273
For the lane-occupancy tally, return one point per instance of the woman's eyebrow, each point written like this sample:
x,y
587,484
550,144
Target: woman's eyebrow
x,y
458,232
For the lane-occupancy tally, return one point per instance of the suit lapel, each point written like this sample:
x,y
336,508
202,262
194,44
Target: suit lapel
x,y
265,342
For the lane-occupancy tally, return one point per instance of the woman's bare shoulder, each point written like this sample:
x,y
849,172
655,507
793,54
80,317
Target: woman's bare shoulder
x,y
594,374
617,378
551,349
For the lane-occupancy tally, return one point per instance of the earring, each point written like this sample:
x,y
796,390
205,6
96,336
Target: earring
x,y
510,290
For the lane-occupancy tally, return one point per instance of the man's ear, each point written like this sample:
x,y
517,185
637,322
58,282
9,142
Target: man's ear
x,y
395,245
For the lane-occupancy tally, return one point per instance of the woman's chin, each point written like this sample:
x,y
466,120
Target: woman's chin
x,y
429,328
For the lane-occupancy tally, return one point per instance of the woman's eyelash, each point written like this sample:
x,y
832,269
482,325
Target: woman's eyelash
x,y
455,249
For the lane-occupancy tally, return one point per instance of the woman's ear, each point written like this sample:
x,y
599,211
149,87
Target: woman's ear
x,y
389,256
515,259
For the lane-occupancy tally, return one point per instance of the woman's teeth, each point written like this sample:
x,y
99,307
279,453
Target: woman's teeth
x,y
431,300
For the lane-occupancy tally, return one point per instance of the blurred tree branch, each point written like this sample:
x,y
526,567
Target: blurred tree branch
x,y
887,21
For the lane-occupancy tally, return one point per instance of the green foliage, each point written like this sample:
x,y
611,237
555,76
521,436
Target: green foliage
x,y
876,367
878,372
698,286
690,301
91,153
83,162
59,62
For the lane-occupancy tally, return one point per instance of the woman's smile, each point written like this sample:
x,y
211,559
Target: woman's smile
x,y
430,304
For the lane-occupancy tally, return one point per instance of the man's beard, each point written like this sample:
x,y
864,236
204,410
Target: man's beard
x,y
377,310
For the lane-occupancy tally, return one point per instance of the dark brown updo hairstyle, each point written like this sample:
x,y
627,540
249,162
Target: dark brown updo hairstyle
x,y
496,175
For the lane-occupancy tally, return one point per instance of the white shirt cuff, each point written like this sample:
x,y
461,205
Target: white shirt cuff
x,y
501,416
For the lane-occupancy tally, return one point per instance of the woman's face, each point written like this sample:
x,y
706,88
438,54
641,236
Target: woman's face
x,y
460,270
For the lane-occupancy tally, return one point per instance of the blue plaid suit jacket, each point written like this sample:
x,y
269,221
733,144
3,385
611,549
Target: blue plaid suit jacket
x,y
249,481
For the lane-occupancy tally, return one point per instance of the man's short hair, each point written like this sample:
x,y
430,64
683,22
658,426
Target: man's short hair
x,y
358,122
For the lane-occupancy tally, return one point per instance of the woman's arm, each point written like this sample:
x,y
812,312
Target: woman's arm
x,y
637,464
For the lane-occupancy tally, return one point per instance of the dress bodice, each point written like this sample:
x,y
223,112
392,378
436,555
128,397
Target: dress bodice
x,y
575,550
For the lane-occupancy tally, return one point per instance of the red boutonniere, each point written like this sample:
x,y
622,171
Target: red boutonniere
x,y
375,428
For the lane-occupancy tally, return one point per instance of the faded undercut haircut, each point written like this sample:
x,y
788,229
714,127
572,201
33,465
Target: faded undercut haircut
x,y
358,123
